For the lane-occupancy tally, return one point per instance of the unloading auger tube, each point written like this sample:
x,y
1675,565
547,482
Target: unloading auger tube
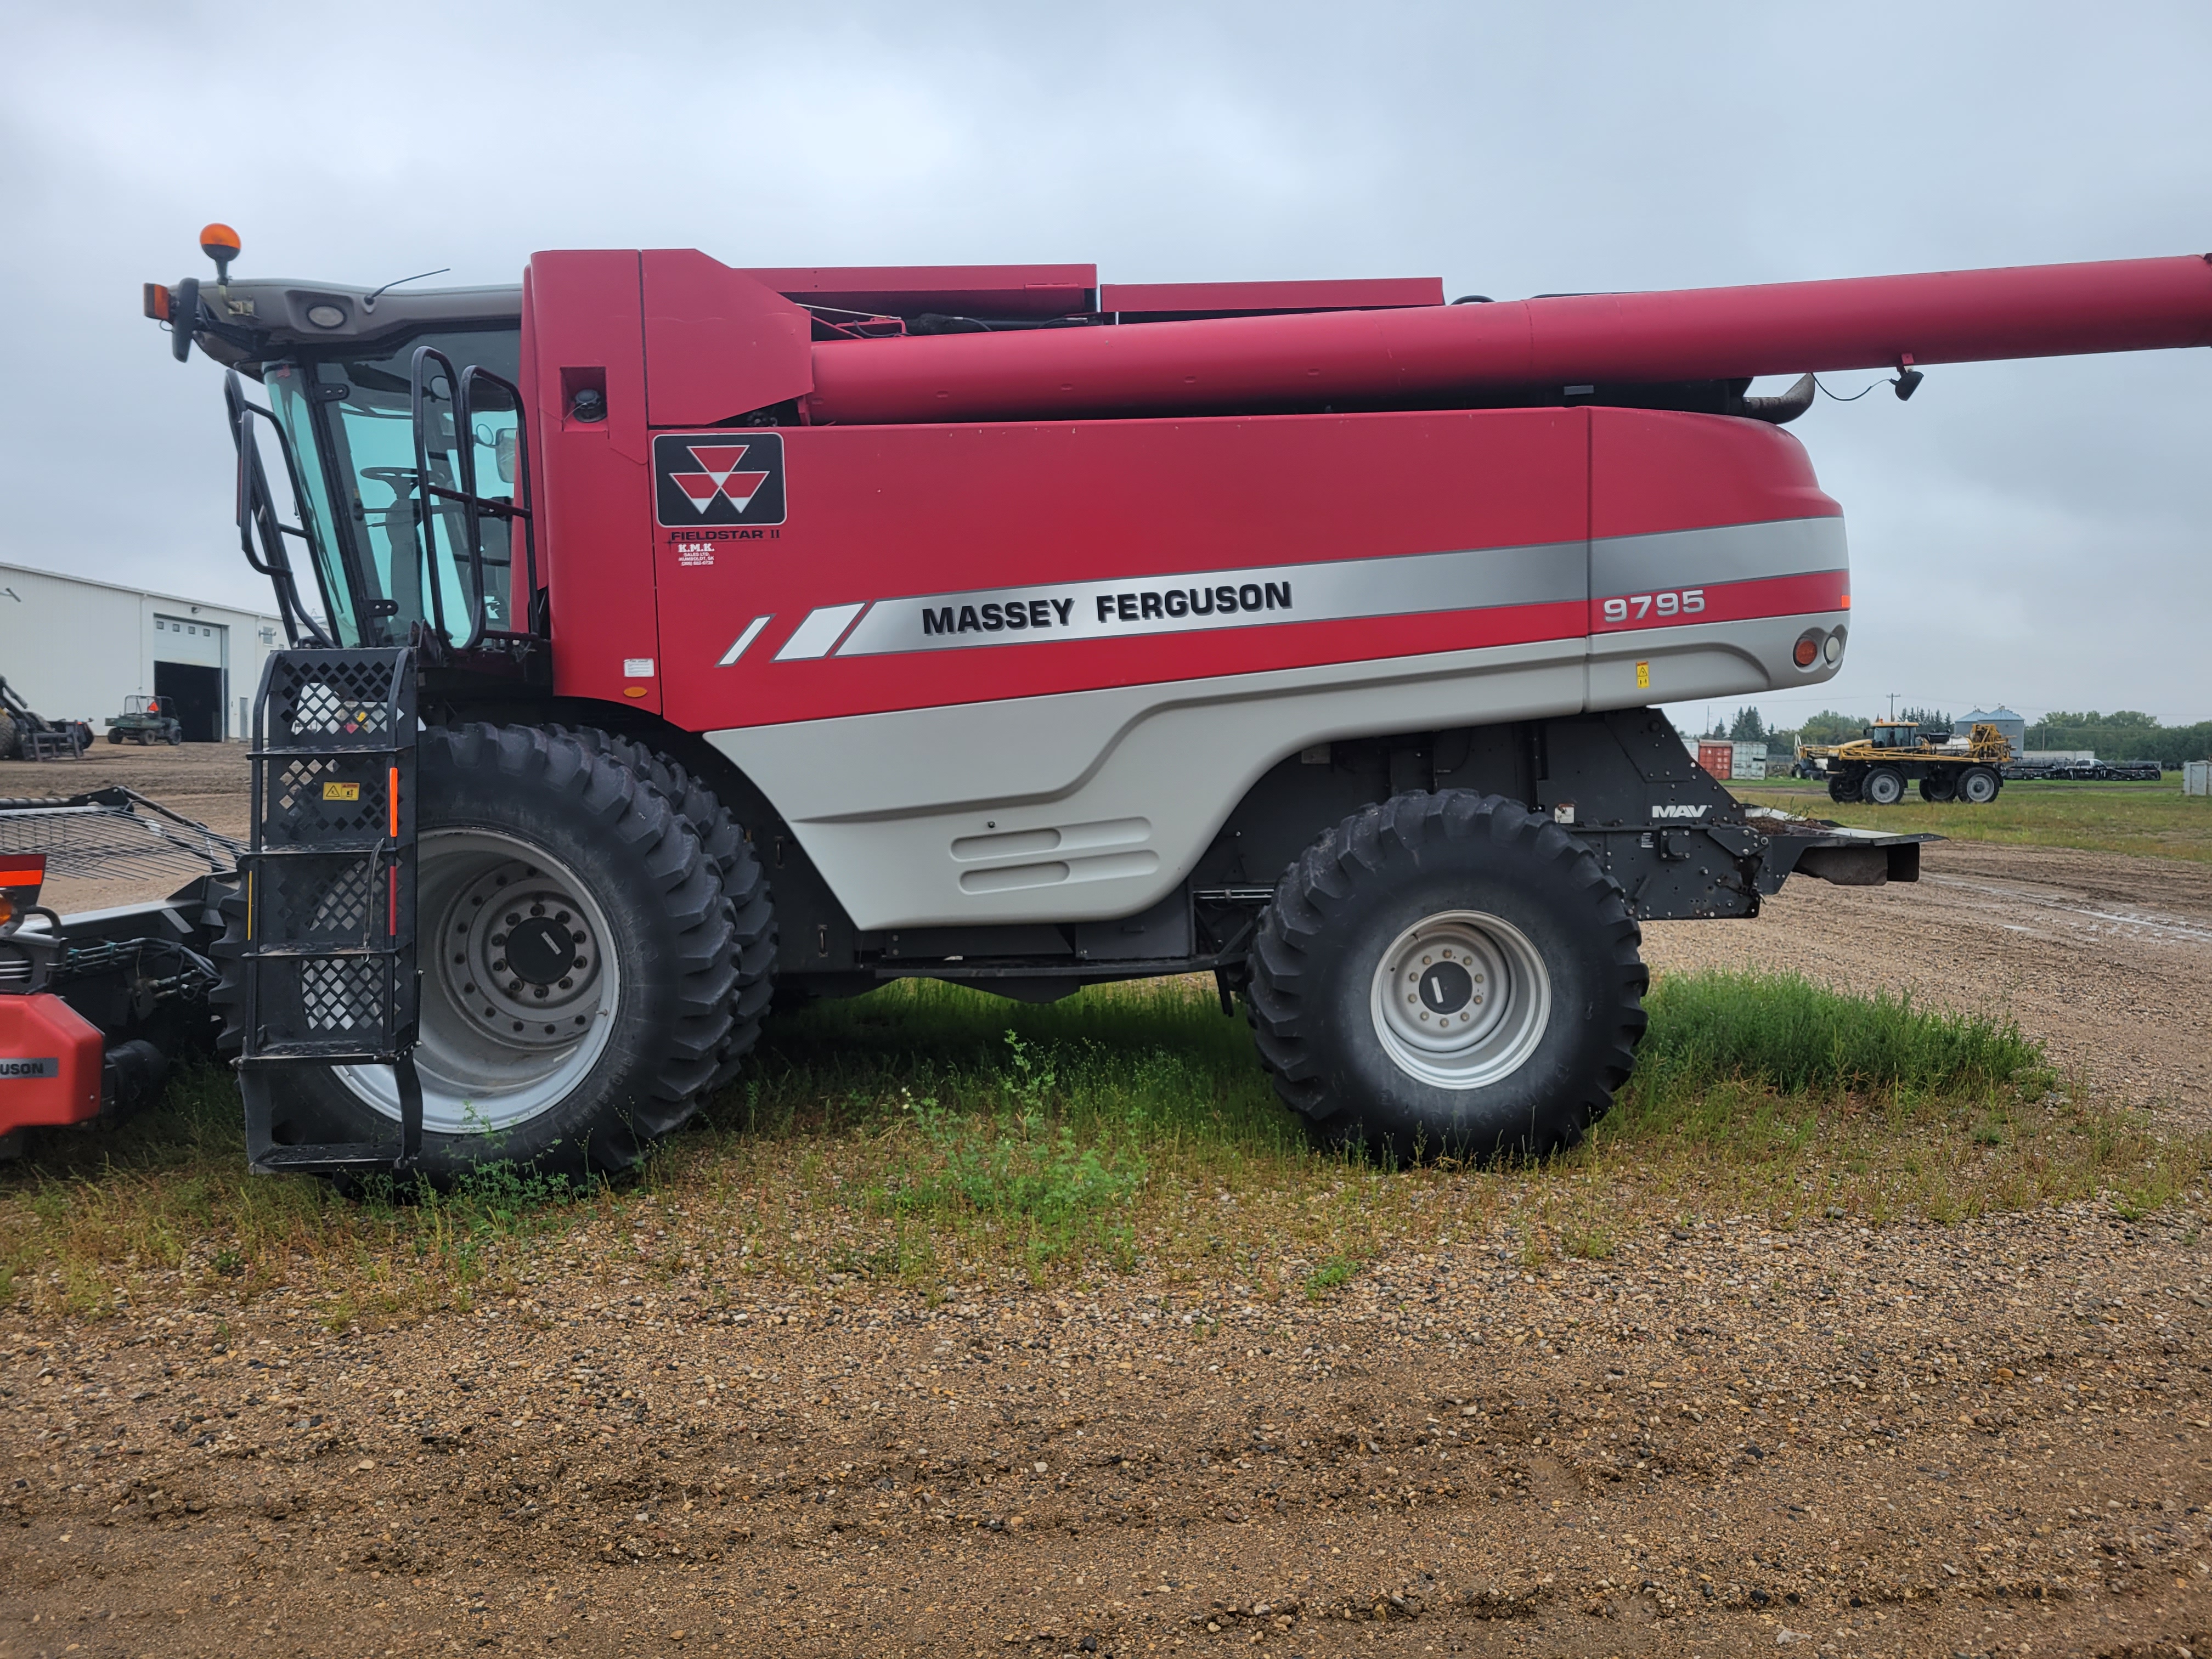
x,y
1406,358
1001,626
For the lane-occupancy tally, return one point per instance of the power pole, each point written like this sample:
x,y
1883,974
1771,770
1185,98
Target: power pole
x,y
1892,708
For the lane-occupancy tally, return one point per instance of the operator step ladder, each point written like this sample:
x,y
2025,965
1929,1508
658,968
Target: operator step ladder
x,y
329,960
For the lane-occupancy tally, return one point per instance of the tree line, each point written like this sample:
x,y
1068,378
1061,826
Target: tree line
x,y
2124,734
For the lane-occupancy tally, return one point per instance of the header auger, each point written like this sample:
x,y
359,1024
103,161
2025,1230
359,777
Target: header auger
x,y
814,628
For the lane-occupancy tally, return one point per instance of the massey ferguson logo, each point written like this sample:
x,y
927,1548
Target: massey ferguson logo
x,y
718,478
1680,812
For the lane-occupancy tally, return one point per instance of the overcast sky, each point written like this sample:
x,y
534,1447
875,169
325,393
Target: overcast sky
x,y
2032,533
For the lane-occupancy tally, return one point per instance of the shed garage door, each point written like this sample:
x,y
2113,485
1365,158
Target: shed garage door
x,y
190,657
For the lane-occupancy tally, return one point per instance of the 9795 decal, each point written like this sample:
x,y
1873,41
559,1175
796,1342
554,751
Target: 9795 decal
x,y
1635,607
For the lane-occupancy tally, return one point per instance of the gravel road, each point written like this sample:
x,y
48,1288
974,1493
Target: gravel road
x,y
1988,1439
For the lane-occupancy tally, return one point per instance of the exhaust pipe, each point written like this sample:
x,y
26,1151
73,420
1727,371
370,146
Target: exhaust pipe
x,y
1785,408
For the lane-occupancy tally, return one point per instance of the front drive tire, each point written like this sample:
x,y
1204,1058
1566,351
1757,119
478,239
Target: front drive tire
x,y
645,975
1884,787
1419,906
745,885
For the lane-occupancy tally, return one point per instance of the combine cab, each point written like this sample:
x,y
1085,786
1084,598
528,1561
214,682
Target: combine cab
x,y
664,634
1892,754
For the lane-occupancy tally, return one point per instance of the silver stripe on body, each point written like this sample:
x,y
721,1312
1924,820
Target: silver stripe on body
x,y
1043,808
821,629
738,647
1256,596
1673,559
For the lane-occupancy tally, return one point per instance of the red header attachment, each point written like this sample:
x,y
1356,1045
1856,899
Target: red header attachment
x,y
21,876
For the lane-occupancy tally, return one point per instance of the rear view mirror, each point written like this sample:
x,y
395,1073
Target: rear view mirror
x,y
185,317
502,454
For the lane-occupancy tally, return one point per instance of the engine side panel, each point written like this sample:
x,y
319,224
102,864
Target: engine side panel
x,y
1196,601
1093,804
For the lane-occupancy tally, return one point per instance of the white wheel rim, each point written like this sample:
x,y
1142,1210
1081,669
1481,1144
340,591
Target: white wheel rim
x,y
1461,1000
501,1041
1977,790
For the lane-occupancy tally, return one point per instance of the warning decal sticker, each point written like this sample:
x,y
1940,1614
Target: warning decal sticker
x,y
732,476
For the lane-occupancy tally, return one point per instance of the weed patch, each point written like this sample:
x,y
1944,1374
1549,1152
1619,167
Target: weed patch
x,y
931,1136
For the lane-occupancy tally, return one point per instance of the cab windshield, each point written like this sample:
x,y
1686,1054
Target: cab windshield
x,y
383,563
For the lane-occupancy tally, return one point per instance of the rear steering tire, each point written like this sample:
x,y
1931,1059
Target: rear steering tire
x,y
1884,787
1447,975
579,967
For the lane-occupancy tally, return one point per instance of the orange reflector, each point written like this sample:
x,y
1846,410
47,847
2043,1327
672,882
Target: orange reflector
x,y
21,875
219,241
1847,601
157,302
391,796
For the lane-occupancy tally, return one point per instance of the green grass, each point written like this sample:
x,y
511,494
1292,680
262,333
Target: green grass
x,y
927,1135
2154,820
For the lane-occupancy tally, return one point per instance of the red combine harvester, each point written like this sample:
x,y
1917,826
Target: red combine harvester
x,y
679,635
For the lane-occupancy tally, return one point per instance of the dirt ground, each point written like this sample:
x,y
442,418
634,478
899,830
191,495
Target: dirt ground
x,y
1992,1438
203,781
1995,1437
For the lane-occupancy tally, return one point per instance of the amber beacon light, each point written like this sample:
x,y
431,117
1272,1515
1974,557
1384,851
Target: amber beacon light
x,y
221,244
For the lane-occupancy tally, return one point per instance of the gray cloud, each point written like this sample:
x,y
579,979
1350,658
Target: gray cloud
x,y
2034,532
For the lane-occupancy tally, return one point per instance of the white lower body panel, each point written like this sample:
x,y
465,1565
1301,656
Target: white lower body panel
x,y
1089,805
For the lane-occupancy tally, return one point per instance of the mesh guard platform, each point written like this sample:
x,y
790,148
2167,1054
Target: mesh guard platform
x,y
330,958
